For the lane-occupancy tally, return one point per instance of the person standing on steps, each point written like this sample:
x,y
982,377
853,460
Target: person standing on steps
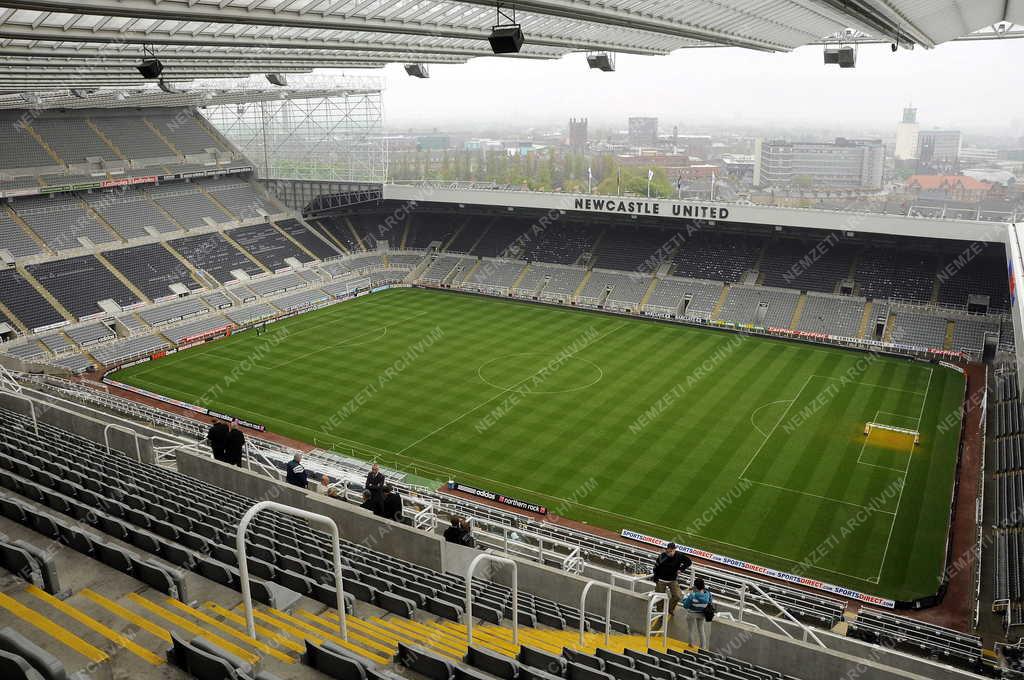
x,y
666,574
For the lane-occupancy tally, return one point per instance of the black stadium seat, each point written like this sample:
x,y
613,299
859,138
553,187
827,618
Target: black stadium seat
x,y
620,672
115,557
424,662
41,661
203,660
14,667
540,659
492,663
333,661
396,604
575,656
444,609
160,578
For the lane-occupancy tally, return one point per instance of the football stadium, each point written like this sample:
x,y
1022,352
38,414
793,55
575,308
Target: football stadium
x,y
269,412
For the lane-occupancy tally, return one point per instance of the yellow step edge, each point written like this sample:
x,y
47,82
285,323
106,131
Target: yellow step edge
x,y
378,635
355,632
330,618
414,638
417,638
281,640
355,649
441,636
192,628
419,628
291,630
228,630
534,637
128,615
62,635
95,626
484,639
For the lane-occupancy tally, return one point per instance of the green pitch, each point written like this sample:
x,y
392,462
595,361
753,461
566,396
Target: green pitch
x,y
746,446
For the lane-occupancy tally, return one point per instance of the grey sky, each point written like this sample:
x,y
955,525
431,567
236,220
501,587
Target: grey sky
x,y
975,86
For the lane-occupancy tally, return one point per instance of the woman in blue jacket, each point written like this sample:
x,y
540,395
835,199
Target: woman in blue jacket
x,y
696,601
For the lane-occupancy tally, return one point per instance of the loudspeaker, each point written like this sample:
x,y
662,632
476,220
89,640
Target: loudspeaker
x,y
277,79
151,69
847,57
831,55
417,70
506,39
601,62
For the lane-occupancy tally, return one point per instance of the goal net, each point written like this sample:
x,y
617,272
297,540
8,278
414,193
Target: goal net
x,y
891,433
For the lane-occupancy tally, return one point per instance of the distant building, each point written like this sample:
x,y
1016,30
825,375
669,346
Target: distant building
x,y
952,187
976,156
695,145
906,136
643,131
578,135
433,142
739,166
938,148
846,164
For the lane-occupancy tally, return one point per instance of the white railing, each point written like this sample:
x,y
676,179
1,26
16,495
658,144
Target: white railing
x,y
488,557
31,407
125,430
653,598
426,519
243,563
607,611
8,381
804,628
165,450
529,545
258,460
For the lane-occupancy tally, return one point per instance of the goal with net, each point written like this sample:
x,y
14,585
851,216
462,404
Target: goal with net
x,y
892,431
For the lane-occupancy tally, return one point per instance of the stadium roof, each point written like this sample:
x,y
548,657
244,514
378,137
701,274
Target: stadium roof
x,y
203,95
97,42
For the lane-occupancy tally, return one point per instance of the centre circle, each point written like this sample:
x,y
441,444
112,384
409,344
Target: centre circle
x,y
539,373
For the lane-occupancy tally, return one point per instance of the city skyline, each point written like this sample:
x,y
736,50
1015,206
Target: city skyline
x,y
725,87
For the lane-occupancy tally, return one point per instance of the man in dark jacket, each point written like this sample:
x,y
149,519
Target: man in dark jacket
x,y
369,503
218,439
295,474
666,574
459,533
375,483
390,504
235,445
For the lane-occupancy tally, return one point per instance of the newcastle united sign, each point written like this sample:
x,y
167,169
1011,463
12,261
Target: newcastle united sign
x,y
634,206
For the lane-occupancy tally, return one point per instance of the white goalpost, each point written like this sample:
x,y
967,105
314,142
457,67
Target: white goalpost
x,y
871,425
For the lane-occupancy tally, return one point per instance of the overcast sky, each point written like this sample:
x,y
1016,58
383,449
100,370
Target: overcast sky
x,y
977,86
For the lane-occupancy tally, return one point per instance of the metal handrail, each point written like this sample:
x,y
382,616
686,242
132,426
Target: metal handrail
x,y
164,454
264,465
807,632
31,407
8,381
243,564
607,611
425,519
469,594
653,597
126,430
